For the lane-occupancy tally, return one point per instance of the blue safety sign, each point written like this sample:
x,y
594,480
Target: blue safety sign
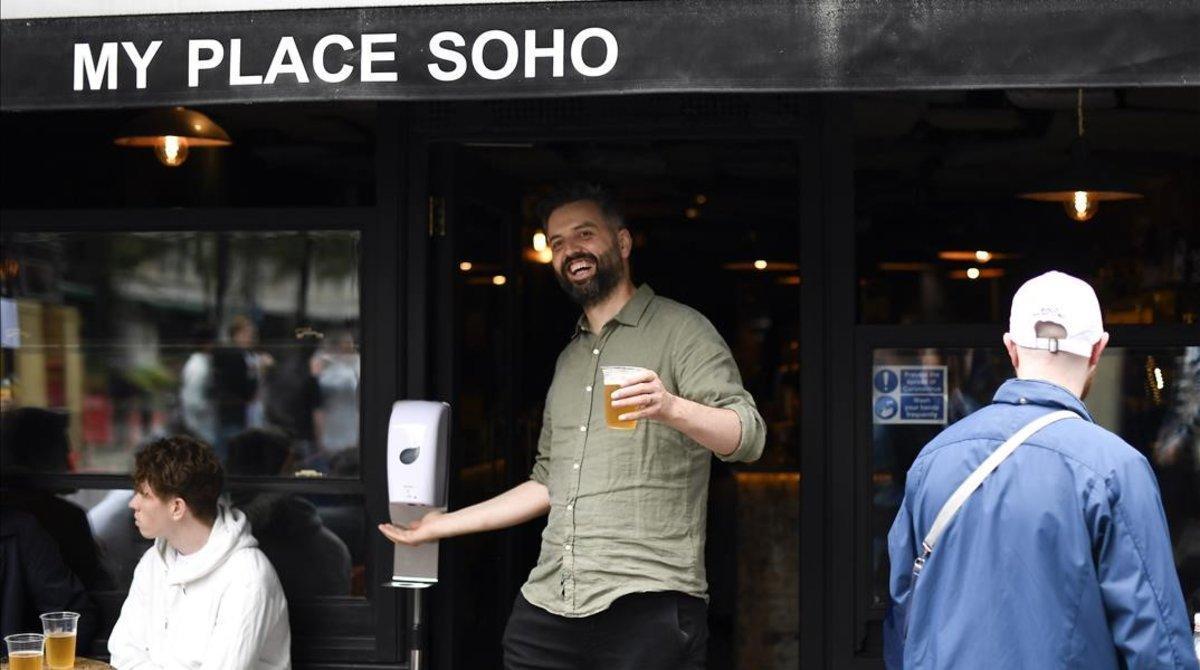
x,y
909,394
885,380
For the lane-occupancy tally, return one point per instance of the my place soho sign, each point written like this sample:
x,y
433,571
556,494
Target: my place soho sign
x,y
51,59
337,58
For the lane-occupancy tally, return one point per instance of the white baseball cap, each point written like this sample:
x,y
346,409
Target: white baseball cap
x,y
1059,299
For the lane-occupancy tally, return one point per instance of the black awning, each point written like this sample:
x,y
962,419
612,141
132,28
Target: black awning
x,y
595,48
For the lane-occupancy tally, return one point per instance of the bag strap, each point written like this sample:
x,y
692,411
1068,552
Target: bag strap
x,y
964,490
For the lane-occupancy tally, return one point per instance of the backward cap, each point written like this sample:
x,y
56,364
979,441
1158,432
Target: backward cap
x,y
1058,298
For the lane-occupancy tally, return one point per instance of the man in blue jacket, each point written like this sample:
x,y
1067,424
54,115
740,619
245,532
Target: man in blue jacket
x,y
1061,558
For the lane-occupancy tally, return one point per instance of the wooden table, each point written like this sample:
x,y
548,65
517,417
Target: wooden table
x,y
81,663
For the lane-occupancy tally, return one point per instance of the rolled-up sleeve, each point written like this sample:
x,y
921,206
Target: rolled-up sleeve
x,y
541,463
707,373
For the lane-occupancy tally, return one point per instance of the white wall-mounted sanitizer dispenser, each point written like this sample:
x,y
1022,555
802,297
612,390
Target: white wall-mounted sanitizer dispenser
x,y
417,450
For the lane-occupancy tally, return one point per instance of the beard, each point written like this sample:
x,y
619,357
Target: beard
x,y
609,271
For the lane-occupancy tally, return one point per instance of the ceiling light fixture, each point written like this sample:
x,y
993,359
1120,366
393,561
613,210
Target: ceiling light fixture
x,y
1085,183
973,274
171,133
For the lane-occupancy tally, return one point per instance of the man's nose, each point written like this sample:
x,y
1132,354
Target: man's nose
x,y
573,249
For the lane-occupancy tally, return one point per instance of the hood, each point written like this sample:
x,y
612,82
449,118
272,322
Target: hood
x,y
230,533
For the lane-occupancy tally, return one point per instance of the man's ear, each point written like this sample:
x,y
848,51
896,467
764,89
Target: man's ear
x,y
178,507
624,242
1013,351
1097,349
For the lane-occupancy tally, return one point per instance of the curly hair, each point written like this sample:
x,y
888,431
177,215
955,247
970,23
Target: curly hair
x,y
183,467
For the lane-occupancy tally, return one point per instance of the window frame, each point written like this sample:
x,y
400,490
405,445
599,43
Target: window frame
x,y
844,580
799,121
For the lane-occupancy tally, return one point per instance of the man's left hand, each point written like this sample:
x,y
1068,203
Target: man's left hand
x,y
646,396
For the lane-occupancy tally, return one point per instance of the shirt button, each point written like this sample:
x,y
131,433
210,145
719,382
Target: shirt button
x,y
1022,401
574,466
595,352
588,388
583,429
570,507
567,547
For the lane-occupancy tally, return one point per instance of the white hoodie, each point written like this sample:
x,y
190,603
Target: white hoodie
x,y
221,608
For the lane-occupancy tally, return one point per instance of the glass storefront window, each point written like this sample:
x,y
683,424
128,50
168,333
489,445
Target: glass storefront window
x,y
246,340
1148,396
942,237
283,155
317,544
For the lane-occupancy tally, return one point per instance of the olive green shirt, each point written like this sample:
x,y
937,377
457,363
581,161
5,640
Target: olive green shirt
x,y
628,507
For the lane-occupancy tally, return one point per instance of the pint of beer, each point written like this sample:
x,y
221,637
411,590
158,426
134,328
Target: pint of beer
x,y
25,651
616,376
60,629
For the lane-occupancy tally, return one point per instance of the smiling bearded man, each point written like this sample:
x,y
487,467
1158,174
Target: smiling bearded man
x,y
588,279
620,582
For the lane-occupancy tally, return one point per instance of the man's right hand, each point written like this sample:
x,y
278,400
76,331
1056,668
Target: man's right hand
x,y
516,505
417,532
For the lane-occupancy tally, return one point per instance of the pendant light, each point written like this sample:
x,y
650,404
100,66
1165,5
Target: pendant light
x,y
172,132
755,257
1085,183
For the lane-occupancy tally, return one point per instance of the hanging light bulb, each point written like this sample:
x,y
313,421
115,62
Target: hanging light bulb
x,y
1084,184
1082,206
539,241
172,133
171,150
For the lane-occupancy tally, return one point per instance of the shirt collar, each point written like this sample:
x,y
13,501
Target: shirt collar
x,y
629,315
1039,392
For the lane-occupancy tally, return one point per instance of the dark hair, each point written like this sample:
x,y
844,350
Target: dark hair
x,y
184,467
34,439
567,193
258,451
237,324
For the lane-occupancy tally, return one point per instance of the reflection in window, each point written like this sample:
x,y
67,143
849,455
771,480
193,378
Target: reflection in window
x,y
127,336
316,543
1150,397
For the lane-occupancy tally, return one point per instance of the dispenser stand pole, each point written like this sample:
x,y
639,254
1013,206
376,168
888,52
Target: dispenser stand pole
x,y
416,630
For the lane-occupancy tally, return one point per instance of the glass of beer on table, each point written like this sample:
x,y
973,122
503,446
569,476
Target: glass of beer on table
x,y
616,376
25,651
59,628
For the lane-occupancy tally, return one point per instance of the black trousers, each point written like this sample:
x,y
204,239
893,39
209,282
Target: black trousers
x,y
643,631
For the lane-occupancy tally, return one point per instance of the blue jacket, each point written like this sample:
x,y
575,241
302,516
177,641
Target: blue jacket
x,y
1061,559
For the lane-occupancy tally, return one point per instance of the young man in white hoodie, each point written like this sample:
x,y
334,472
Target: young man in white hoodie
x,y
204,596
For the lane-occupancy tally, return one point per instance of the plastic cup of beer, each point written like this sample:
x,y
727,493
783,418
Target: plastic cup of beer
x,y
616,376
60,628
25,651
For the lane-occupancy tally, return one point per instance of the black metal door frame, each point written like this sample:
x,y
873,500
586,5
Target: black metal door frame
x,y
429,279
